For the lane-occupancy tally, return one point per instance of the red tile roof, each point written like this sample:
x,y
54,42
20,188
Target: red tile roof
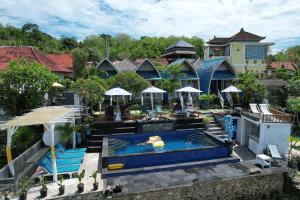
x,y
240,36
64,60
8,53
285,65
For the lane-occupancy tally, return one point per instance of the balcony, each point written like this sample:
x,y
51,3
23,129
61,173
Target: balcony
x,y
276,117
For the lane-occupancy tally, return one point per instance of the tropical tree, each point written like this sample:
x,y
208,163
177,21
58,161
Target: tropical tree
x,y
91,90
23,85
293,105
79,61
207,98
129,81
173,74
253,90
23,139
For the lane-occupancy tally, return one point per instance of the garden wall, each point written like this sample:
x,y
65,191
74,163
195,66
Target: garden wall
x,y
266,186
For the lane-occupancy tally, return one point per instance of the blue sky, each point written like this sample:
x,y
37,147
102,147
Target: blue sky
x,y
279,20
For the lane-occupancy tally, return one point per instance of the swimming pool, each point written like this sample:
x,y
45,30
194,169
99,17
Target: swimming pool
x,y
179,147
172,142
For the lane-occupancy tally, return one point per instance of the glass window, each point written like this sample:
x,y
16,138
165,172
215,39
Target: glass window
x,y
256,52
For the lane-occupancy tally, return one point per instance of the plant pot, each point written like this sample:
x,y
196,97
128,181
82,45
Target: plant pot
x,y
23,195
61,190
88,131
80,187
43,192
95,186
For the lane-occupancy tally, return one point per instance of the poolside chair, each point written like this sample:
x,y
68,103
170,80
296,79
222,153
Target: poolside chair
x,y
60,147
61,169
71,161
144,110
61,155
265,109
109,113
254,108
158,110
274,153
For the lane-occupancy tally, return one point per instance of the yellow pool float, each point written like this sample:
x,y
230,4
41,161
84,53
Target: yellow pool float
x,y
158,143
115,166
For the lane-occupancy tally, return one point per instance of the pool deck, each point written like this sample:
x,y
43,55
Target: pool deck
x,y
133,184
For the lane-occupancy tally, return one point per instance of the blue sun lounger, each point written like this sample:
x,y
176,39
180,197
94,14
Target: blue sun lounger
x,y
60,155
61,169
70,161
64,150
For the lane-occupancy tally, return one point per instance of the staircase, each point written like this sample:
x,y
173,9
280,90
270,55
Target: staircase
x,y
216,129
93,142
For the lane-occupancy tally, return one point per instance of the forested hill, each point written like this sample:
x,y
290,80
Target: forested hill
x,y
120,45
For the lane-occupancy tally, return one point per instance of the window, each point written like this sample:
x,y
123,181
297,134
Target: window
x,y
255,61
256,52
247,61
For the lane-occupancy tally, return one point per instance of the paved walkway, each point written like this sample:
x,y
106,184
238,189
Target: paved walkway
x,y
90,163
133,184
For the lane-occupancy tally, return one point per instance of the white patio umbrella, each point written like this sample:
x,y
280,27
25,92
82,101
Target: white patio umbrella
x,y
152,90
57,85
189,90
231,89
117,92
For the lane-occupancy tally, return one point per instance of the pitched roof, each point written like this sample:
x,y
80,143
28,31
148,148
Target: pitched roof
x,y
285,65
64,60
240,36
8,53
155,61
125,65
180,43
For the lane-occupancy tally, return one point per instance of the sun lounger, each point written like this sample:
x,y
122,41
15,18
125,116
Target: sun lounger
x,y
254,108
274,153
61,155
158,110
64,150
265,109
62,161
61,169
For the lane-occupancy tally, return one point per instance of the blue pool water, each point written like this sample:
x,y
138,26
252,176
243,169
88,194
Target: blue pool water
x,y
173,142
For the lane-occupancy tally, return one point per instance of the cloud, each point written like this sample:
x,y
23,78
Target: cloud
x,y
277,19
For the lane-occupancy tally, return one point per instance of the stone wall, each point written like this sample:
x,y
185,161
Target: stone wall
x,y
267,186
156,126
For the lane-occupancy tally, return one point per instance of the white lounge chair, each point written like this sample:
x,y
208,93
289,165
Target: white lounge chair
x,y
265,109
254,108
274,153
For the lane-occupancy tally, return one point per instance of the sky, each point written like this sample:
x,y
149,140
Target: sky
x,y
278,20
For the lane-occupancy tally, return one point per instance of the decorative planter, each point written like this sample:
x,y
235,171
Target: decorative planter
x,y
23,195
43,192
88,130
95,186
80,187
61,190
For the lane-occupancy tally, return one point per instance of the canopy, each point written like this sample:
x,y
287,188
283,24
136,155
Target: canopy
x,y
153,89
189,89
117,92
231,89
57,85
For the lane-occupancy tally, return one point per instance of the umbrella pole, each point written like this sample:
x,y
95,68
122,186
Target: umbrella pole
x,y
152,101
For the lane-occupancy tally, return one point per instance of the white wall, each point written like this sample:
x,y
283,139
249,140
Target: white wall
x,y
275,133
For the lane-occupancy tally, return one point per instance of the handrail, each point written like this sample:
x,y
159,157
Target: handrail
x,y
276,117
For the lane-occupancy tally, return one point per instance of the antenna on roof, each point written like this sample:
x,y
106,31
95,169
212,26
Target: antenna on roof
x,y
106,48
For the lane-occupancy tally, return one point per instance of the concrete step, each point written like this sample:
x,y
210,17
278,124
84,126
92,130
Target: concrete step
x,y
94,149
215,128
93,142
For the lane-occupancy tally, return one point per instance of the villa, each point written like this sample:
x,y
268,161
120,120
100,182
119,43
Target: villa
x,y
244,50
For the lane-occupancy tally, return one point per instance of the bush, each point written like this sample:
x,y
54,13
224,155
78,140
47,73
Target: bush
x,y
23,139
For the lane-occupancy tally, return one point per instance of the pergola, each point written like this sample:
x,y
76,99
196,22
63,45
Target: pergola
x,y
47,116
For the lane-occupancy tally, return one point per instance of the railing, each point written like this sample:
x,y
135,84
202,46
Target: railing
x,y
276,117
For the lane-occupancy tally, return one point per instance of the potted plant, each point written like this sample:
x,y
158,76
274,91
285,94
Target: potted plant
x,y
23,185
43,190
206,121
87,127
80,185
94,175
60,184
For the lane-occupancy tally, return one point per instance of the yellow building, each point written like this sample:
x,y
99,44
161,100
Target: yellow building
x,y
244,50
